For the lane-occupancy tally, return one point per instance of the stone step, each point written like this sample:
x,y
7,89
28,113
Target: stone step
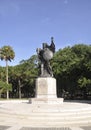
x,y
70,118
55,122
44,112
45,120
45,115
59,116
48,122
48,117
59,124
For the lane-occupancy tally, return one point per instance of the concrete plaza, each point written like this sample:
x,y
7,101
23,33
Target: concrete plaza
x,y
21,115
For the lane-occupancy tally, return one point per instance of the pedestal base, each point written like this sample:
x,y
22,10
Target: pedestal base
x,y
46,101
46,92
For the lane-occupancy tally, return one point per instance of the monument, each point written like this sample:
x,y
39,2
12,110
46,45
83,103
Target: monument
x,y
46,83
44,56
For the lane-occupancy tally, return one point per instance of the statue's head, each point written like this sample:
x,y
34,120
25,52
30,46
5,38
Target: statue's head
x,y
45,45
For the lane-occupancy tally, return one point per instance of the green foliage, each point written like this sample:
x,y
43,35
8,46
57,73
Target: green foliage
x,y
4,87
69,64
23,77
64,61
7,53
71,68
84,82
2,73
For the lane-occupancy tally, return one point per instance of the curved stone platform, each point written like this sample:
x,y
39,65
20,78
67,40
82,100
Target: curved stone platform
x,y
21,113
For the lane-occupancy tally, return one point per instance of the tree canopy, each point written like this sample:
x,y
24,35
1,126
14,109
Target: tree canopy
x,y
71,68
7,54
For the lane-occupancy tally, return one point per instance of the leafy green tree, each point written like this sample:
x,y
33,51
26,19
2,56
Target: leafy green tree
x,y
4,87
30,72
23,76
7,54
85,85
2,73
69,64
18,77
71,68
63,64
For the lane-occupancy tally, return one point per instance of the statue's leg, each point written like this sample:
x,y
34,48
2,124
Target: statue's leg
x,y
49,69
42,69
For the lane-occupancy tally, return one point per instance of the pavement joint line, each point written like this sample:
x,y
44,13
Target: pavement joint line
x,y
44,128
62,128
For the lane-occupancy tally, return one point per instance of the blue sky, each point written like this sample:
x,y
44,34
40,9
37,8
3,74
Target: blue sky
x,y
26,24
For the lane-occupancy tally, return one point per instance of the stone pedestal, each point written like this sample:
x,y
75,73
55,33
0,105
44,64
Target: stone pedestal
x,y
46,88
46,91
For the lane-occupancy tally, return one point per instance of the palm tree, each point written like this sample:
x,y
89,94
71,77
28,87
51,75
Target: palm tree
x,y
7,54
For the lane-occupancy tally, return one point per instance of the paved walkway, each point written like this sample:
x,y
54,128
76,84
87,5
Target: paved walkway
x,y
20,115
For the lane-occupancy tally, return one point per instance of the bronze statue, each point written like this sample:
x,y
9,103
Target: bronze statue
x,y
44,56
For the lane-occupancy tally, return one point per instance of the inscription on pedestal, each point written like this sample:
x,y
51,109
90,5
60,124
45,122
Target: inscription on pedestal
x,y
46,87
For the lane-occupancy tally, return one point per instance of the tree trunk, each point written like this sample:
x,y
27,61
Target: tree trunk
x,y
7,78
19,88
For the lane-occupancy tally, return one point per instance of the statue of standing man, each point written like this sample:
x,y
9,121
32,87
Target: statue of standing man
x,y
44,56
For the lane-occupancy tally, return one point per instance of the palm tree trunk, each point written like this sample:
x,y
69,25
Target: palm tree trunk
x,y
7,78
19,89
